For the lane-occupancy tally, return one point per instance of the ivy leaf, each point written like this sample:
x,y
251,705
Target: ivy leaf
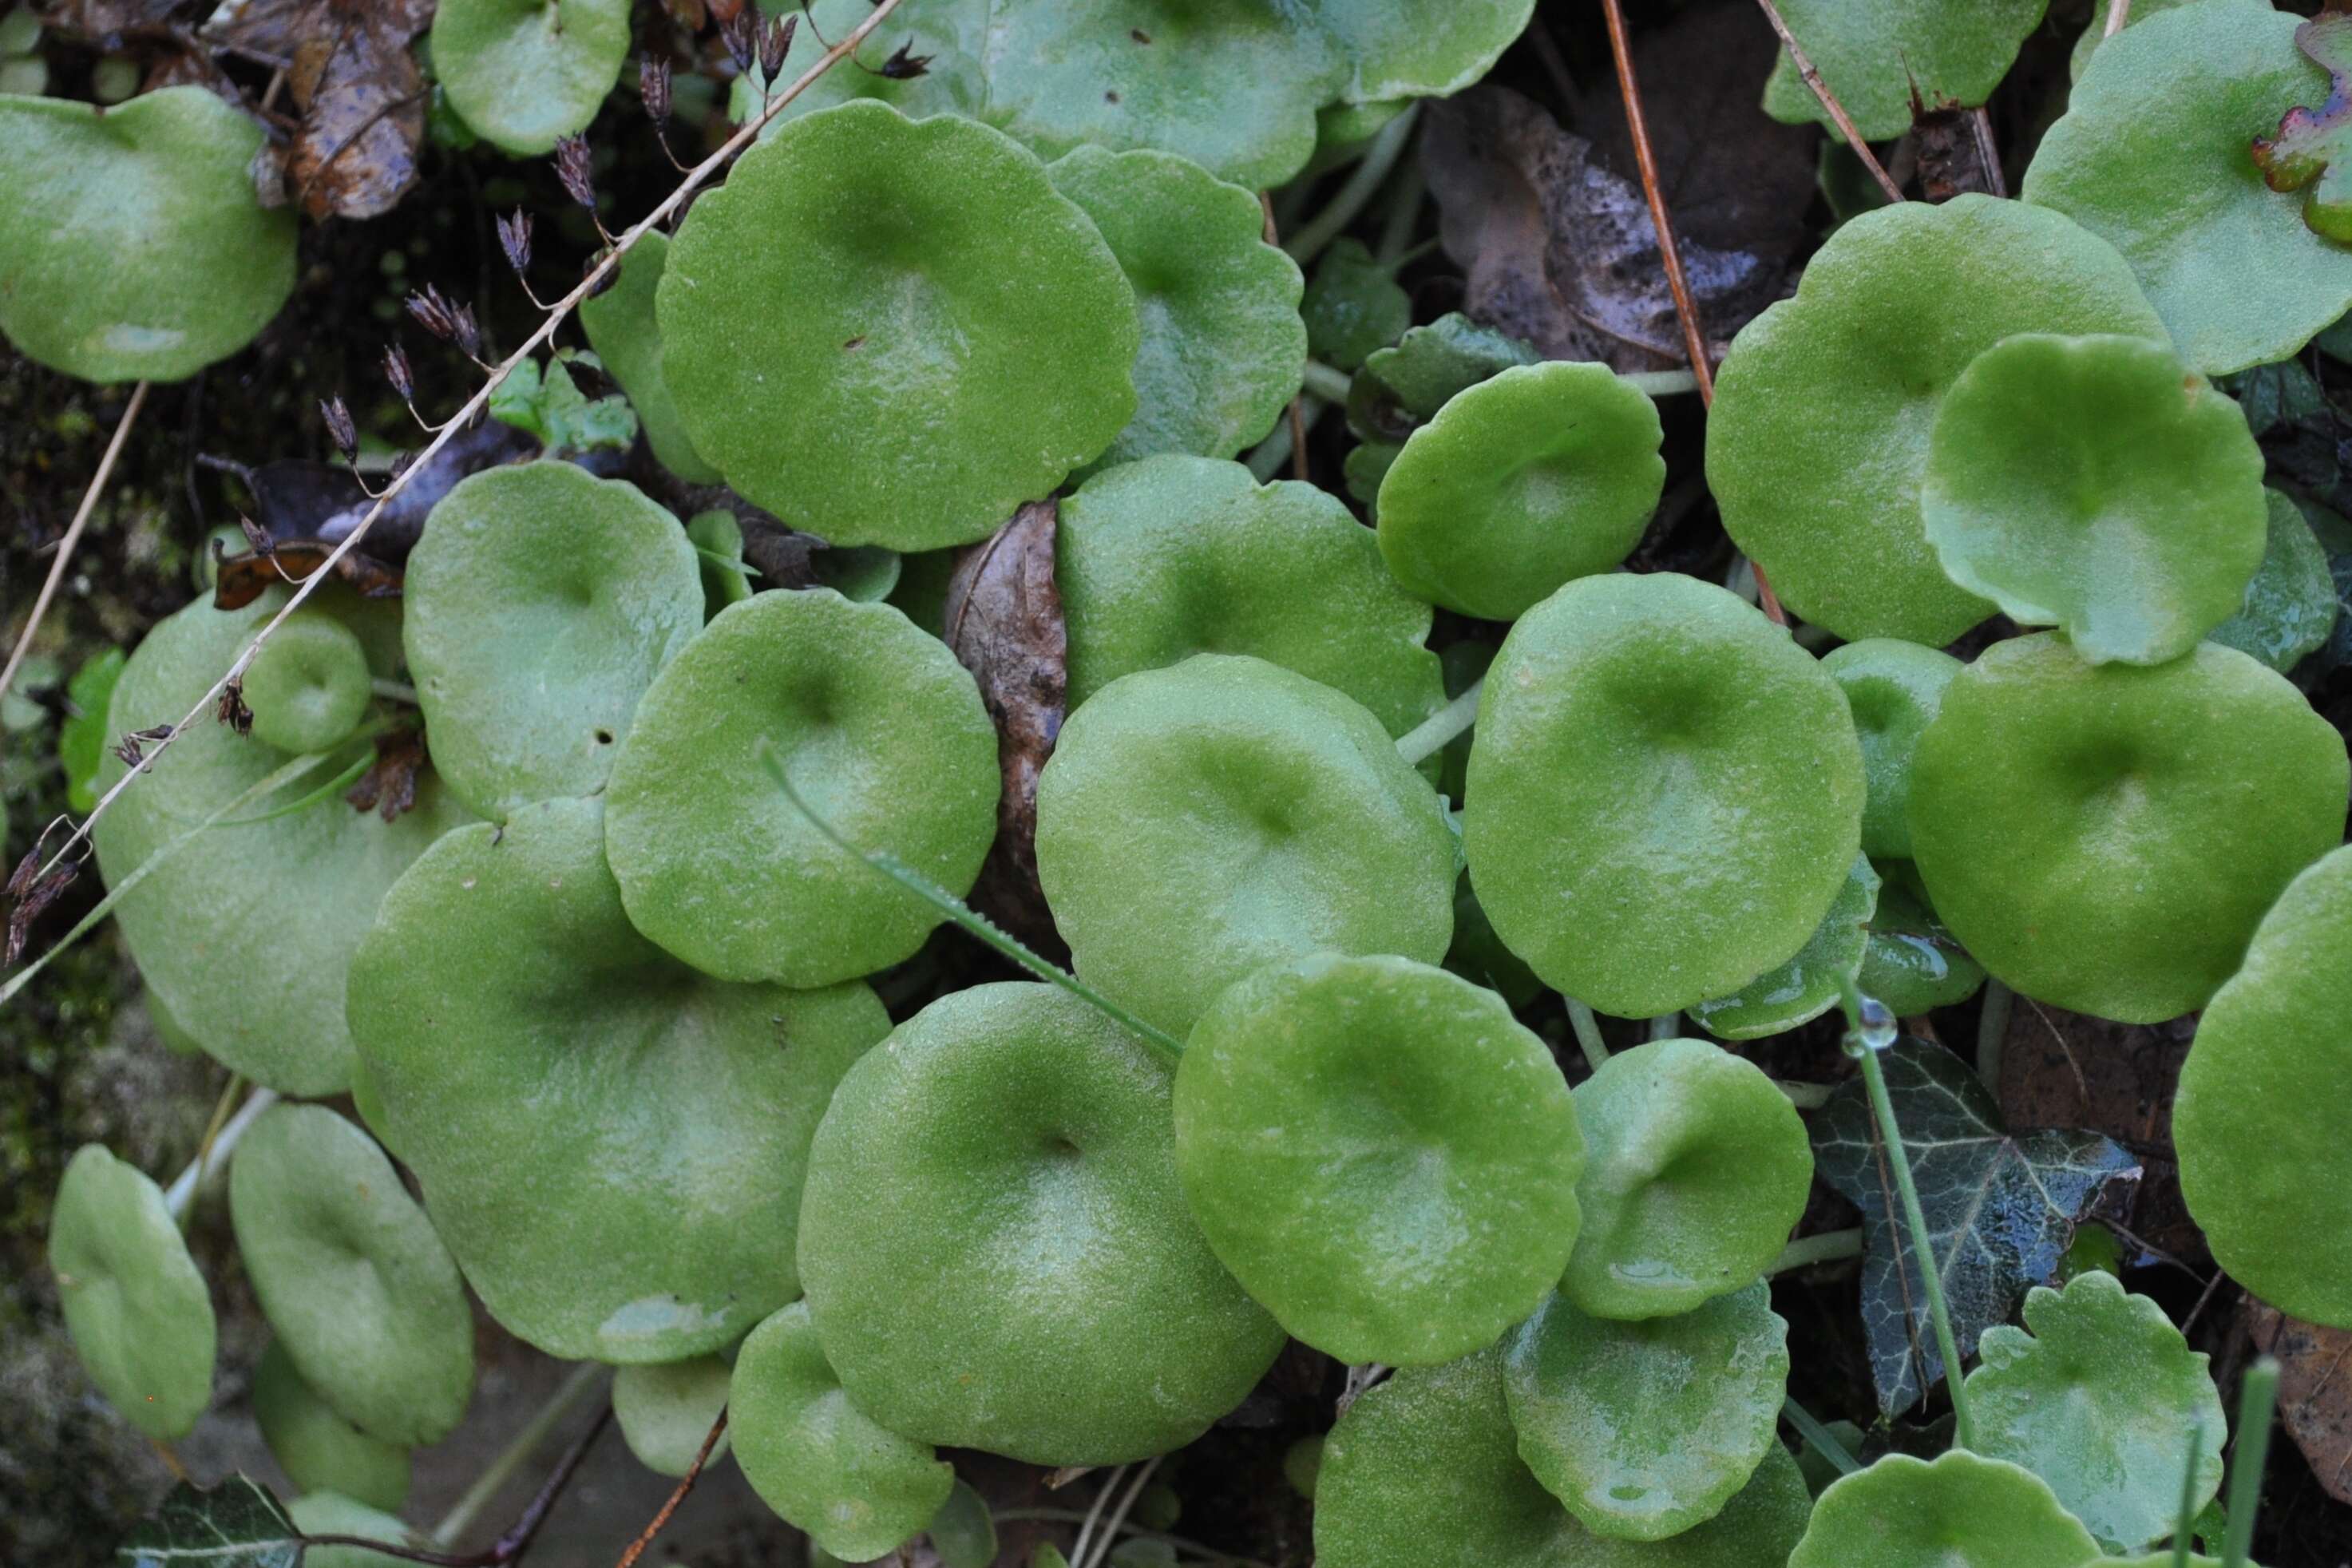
x,y
2275,394
550,406
237,1524
2314,147
2002,1207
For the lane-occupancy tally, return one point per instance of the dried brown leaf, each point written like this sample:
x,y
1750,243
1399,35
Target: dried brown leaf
x,y
1956,151
2314,1389
389,786
362,102
296,499
1004,621
1561,252
241,579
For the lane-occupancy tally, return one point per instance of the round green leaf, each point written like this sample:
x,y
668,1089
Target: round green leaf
x,y
1172,556
862,282
1222,343
716,536
621,328
2290,608
539,606
862,573
882,733
946,34
2105,837
1818,438
1233,85
1380,1153
858,1489
331,1513
360,1289
318,1449
2140,11
1426,1464
2264,1162
1647,1429
1420,48
140,252
1353,306
1913,964
523,73
1894,689
1696,1168
1544,474
1874,58
255,976
2095,1401
1809,985
996,1249
514,1021
963,1532
309,686
2154,155
1198,823
1636,827
140,1315
666,1410
2094,484
1962,1511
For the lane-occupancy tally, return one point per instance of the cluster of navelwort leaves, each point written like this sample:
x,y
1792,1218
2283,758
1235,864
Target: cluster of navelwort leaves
x,y
602,987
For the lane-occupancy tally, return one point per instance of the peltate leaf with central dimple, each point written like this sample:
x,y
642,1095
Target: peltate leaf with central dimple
x,y
2314,146
2002,1207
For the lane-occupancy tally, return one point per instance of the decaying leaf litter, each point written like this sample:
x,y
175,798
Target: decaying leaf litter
x,y
1539,237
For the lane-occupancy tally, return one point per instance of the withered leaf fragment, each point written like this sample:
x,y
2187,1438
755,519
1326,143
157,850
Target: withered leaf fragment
x,y
2314,147
238,580
2314,1389
358,89
1003,621
389,786
1956,151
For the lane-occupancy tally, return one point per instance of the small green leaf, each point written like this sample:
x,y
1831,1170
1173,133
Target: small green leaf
x,y
1809,985
1353,307
526,72
1878,58
620,322
2095,1401
550,406
135,1305
2002,1207
1962,1511
2290,608
1400,387
237,1524
962,1533
667,1408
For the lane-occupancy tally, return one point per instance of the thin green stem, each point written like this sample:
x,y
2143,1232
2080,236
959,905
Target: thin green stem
x,y
1588,1033
2257,1402
351,774
1365,179
1818,1436
1828,1247
397,691
964,915
1666,1026
1992,1028
1431,734
1072,1516
1659,383
1328,383
261,788
1266,459
2185,1522
1923,1250
1406,195
180,1197
517,1454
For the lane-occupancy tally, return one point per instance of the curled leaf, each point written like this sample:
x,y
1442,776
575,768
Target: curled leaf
x,y
1004,624
2312,149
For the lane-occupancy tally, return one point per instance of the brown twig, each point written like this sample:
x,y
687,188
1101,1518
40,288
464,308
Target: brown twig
x,y
677,1495
1846,127
588,286
57,563
1669,252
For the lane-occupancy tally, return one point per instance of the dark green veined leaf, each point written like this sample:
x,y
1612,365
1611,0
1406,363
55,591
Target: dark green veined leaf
x,y
237,1524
